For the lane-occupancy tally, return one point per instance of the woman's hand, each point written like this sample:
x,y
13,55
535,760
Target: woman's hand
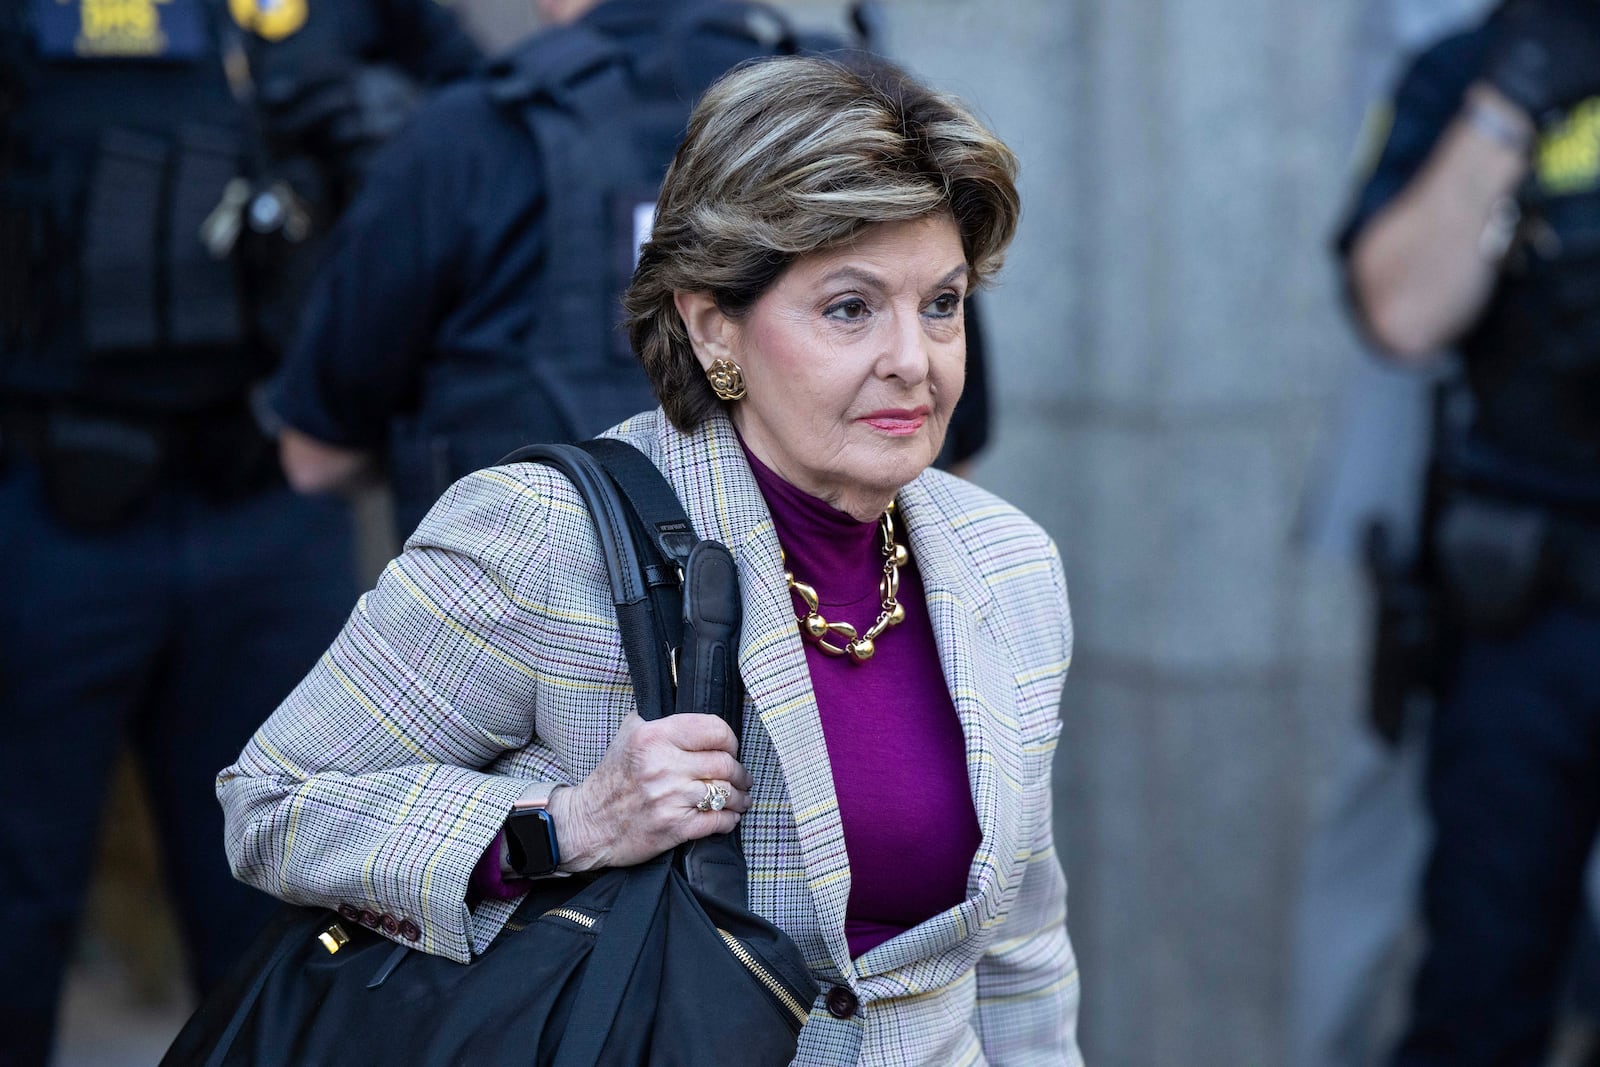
x,y
640,801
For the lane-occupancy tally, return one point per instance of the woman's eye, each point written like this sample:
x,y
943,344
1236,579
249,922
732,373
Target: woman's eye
x,y
850,310
945,305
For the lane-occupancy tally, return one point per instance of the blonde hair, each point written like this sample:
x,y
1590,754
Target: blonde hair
x,y
793,155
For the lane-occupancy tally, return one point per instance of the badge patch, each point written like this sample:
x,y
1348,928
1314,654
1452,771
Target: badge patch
x,y
120,29
272,20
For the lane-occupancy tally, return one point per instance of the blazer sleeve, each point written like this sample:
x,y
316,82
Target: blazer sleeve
x,y
371,786
1028,978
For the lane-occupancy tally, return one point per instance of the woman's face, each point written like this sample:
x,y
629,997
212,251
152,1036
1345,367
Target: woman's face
x,y
854,360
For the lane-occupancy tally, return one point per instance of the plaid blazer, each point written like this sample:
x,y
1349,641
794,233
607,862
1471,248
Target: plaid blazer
x,y
488,656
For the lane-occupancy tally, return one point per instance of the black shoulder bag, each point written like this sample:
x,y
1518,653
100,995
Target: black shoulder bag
x,y
656,964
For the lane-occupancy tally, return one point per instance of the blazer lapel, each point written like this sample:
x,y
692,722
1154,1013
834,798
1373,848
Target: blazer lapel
x,y
982,686
723,501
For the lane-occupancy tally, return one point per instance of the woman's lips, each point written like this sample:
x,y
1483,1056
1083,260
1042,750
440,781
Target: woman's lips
x,y
897,422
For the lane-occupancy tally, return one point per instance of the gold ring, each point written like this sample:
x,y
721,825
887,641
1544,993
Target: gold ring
x,y
715,799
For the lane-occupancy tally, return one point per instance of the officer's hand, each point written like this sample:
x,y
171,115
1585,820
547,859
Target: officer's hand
x,y
1544,55
640,801
313,467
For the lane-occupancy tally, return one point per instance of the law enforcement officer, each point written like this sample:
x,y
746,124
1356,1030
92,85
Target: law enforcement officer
x,y
1479,229
470,302
164,168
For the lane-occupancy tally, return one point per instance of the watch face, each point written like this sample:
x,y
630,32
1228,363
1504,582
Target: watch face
x,y
531,843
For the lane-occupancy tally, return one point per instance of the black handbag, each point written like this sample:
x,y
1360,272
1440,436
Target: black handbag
x,y
658,964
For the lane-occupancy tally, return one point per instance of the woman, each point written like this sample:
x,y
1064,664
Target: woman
x,y
799,310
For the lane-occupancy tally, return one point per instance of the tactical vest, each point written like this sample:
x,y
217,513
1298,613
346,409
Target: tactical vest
x,y
1533,360
607,120
154,222
607,123
121,141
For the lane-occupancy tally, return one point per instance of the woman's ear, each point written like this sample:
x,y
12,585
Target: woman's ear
x,y
711,333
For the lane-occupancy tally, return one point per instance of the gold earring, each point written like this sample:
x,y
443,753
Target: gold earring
x,y
727,379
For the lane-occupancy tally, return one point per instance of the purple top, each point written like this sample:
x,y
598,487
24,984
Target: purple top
x,y
895,742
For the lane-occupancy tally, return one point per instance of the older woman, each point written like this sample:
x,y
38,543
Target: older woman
x,y
905,634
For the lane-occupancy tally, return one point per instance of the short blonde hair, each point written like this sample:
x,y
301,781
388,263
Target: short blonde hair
x,y
793,155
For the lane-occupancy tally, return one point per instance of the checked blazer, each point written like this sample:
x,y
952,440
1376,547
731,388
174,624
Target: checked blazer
x,y
487,656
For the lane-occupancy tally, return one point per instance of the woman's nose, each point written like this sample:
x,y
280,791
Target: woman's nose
x,y
906,352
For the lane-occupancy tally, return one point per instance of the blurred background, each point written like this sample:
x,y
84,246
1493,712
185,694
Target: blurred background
x,y
1170,368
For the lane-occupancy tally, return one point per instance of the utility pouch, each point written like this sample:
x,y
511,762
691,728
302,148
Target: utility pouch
x,y
1493,560
118,258
97,472
203,303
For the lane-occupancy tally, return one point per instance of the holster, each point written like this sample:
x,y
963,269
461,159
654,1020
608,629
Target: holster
x,y
1493,560
98,472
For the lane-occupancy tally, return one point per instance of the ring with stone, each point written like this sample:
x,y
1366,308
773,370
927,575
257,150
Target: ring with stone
x,y
715,798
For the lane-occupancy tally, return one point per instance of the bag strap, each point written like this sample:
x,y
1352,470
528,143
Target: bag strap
x,y
641,526
677,597
611,964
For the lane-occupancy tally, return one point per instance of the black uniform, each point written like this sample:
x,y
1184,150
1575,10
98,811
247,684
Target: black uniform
x,y
164,168
1512,553
471,299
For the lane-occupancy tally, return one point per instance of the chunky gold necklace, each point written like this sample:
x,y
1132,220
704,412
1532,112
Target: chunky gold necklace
x,y
858,647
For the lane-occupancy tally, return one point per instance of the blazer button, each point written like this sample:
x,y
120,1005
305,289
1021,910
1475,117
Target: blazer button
x,y
368,918
409,930
841,1002
348,911
389,924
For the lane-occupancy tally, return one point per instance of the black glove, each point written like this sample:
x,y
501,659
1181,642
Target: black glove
x,y
1544,55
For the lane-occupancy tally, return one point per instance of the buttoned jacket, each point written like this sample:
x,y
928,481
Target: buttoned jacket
x,y
487,656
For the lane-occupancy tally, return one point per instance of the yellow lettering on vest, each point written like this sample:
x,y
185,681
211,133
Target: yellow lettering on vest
x,y
120,28
1567,159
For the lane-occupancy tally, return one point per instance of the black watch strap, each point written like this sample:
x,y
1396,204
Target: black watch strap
x,y
531,847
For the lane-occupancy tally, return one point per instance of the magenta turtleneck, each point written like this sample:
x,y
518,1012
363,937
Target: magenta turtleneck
x,y
894,740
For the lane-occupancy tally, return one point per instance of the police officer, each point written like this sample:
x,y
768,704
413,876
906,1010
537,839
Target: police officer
x,y
164,167
471,299
1479,229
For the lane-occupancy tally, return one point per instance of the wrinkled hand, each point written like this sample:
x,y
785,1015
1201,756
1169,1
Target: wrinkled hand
x,y
640,800
1545,54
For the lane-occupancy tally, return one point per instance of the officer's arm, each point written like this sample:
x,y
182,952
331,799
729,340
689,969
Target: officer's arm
x,y
370,321
1423,268
314,466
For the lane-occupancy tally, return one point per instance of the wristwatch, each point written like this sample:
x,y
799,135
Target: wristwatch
x,y
531,849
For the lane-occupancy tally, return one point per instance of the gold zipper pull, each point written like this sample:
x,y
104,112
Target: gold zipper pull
x,y
334,938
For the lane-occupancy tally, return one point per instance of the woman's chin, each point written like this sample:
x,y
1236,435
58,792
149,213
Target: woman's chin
x,y
893,468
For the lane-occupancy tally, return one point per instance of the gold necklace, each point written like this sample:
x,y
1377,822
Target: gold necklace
x,y
858,647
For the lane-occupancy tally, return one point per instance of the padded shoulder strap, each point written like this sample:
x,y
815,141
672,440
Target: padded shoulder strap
x,y
680,613
677,597
549,62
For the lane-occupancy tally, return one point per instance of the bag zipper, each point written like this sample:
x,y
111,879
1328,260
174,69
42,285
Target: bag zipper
x,y
775,987
572,915
800,1012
